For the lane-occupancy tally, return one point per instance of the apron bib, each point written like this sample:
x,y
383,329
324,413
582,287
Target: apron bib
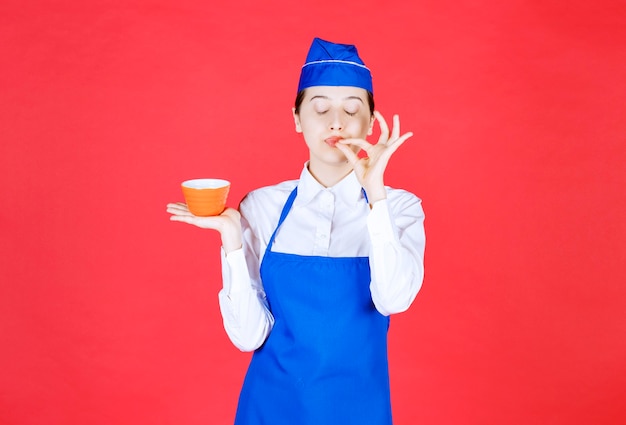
x,y
325,360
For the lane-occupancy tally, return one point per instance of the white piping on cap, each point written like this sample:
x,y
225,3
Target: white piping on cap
x,y
335,60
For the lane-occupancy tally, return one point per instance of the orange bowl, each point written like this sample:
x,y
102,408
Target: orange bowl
x,y
206,197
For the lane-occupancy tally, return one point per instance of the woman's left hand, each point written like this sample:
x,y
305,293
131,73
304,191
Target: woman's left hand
x,y
370,170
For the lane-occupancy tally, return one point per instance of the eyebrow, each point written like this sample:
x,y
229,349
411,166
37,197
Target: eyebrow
x,y
328,98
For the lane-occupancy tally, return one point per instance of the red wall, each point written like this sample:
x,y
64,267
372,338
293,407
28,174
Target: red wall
x,y
108,311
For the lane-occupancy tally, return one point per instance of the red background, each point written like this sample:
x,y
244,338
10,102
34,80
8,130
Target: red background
x,y
108,311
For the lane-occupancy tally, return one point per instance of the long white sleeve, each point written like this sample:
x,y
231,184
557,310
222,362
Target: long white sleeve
x,y
246,316
397,251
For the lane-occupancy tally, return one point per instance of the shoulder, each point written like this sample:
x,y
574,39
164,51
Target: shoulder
x,y
266,202
404,202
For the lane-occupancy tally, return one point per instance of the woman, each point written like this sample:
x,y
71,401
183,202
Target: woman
x,y
313,268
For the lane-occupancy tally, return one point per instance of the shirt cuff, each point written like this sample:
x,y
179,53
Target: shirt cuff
x,y
235,273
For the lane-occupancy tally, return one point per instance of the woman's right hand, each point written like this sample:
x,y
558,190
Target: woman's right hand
x,y
228,223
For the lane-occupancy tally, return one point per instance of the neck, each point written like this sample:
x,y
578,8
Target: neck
x,y
329,175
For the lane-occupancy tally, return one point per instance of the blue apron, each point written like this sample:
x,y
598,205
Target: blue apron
x,y
325,360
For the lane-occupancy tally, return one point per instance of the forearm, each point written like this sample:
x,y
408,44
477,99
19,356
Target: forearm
x,y
396,262
246,317
231,236
397,281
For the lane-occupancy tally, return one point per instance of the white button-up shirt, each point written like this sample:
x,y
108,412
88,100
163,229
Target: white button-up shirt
x,y
334,222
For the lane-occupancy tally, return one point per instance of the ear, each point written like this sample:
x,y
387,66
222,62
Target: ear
x,y
296,120
371,129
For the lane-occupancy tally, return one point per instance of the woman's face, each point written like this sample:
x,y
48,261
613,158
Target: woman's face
x,y
329,113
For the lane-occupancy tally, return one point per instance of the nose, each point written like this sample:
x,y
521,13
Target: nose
x,y
336,122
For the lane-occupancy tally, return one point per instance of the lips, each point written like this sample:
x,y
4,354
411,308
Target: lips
x,y
332,141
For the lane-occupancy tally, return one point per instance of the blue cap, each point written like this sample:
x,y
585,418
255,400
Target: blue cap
x,y
332,64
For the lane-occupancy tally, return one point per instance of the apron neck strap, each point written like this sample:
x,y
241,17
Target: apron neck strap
x,y
287,208
283,215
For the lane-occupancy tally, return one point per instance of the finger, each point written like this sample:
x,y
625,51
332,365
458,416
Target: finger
x,y
189,219
202,222
350,155
395,132
177,205
384,128
363,144
177,210
398,142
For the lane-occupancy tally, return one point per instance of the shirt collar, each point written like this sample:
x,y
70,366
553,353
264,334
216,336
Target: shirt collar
x,y
348,190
